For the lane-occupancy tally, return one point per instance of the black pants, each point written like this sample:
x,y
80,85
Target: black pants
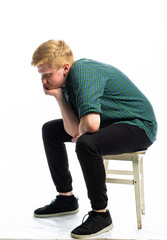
x,y
90,147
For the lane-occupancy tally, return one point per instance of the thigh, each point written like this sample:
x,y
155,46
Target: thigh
x,y
118,138
54,130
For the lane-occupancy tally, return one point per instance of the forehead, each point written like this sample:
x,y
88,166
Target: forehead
x,y
44,68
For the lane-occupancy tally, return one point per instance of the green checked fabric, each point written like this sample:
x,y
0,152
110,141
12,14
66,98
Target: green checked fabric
x,y
92,86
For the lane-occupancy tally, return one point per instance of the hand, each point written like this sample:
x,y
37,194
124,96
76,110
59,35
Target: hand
x,y
74,139
56,92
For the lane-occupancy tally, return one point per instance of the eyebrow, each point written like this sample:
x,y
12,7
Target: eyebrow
x,y
46,73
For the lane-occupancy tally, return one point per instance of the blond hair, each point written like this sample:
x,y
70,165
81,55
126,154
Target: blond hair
x,y
55,53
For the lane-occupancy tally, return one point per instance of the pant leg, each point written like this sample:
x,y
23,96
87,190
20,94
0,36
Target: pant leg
x,y
90,147
54,138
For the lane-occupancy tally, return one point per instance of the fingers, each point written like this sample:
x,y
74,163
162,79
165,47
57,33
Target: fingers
x,y
46,90
74,139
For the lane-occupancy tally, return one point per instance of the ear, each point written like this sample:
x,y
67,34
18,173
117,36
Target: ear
x,y
66,68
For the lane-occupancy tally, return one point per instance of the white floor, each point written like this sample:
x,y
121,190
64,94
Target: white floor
x,y
31,187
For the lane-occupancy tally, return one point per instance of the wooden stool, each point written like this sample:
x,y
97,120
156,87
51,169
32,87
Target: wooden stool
x,y
137,160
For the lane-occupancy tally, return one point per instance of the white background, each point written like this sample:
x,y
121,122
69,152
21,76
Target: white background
x,y
128,34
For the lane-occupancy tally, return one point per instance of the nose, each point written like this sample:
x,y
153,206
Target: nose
x,y
43,81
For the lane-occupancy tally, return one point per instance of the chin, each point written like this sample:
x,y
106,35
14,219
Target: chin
x,y
51,87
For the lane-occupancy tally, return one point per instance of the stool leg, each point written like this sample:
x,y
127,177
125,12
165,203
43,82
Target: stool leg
x,y
136,172
106,162
142,187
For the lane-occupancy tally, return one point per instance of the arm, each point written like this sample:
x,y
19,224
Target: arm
x,y
70,120
89,123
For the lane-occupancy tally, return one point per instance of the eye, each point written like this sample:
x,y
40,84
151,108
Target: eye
x,y
48,75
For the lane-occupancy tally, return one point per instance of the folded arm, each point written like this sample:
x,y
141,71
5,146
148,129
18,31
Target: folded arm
x,y
89,123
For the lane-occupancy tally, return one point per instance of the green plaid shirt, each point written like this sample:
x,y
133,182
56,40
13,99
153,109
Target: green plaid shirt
x,y
94,87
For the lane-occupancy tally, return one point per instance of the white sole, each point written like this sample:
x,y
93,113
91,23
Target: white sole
x,y
110,227
56,214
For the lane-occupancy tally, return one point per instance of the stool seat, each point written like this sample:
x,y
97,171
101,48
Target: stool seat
x,y
136,179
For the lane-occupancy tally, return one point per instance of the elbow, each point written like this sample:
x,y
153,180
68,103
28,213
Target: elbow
x,y
93,127
90,123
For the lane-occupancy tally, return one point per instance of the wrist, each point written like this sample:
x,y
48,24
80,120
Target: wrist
x,y
58,94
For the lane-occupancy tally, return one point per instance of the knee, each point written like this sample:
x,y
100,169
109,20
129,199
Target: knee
x,y
85,146
50,129
45,128
82,144
54,132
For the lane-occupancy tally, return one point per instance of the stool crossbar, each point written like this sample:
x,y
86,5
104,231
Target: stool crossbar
x,y
136,178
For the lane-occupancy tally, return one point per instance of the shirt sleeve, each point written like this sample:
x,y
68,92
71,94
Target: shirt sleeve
x,y
88,86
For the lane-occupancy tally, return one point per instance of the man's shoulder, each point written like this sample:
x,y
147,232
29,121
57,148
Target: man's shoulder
x,y
82,61
81,69
85,63
85,67
82,66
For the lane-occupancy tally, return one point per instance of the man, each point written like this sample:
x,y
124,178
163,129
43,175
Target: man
x,y
103,112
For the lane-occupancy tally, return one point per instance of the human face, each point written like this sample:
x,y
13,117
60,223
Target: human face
x,y
52,78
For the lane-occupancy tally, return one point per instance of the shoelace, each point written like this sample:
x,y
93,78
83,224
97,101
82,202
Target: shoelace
x,y
57,199
89,217
84,217
53,201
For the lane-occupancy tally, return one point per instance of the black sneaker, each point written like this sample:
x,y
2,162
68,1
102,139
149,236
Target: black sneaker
x,y
96,224
62,205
